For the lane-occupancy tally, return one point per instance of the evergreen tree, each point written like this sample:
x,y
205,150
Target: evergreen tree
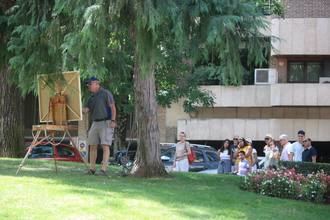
x,y
112,39
11,112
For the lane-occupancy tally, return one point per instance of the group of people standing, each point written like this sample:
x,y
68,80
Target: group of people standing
x,y
238,156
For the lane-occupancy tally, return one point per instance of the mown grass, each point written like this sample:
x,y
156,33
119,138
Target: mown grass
x,y
39,193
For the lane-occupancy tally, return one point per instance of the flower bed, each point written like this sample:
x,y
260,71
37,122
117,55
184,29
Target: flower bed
x,y
286,183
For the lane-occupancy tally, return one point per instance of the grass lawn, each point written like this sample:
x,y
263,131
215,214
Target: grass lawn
x,y
38,193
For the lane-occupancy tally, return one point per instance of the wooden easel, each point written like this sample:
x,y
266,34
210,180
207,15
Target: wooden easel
x,y
47,132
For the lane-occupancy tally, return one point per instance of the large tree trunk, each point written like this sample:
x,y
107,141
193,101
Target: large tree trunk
x,y
11,117
121,130
147,162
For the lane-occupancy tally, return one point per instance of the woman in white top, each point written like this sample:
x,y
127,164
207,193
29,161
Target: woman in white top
x,y
181,163
225,158
271,153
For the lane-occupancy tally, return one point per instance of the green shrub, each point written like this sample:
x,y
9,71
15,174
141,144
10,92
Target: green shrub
x,y
281,187
314,190
306,167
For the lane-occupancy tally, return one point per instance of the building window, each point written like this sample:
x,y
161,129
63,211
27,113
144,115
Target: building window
x,y
304,72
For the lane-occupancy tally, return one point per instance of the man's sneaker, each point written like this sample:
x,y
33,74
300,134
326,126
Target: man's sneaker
x,y
90,172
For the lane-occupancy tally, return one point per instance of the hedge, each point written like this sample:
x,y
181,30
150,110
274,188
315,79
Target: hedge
x,y
306,167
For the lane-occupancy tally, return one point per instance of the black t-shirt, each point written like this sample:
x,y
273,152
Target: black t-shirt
x,y
308,154
99,105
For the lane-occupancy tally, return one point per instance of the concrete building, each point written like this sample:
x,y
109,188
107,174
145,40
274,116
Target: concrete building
x,y
297,99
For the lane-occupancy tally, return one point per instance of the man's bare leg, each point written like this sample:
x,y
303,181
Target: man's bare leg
x,y
92,156
106,156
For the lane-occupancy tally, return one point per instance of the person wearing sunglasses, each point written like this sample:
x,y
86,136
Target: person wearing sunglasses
x,y
309,154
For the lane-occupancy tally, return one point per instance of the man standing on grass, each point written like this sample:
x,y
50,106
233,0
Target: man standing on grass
x,y
102,111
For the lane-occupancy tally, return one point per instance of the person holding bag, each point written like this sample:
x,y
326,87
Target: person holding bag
x,y
182,149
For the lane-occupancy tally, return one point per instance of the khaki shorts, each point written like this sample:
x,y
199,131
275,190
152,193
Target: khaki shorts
x,y
100,133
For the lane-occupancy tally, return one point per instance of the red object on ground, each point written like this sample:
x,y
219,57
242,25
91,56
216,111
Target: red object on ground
x,y
62,152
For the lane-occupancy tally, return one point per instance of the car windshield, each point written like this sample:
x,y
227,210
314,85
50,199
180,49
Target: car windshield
x,y
211,156
42,149
169,153
65,152
199,157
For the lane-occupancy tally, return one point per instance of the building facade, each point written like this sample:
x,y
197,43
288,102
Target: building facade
x,y
299,98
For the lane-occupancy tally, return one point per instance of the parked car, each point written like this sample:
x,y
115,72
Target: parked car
x,y
206,158
215,171
129,153
63,152
166,146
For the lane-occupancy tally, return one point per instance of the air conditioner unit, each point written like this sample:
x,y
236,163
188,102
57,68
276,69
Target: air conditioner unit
x,y
265,76
324,80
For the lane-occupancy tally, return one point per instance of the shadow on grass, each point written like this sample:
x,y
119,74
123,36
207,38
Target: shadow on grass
x,y
197,196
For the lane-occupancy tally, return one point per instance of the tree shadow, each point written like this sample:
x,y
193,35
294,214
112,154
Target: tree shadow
x,y
197,196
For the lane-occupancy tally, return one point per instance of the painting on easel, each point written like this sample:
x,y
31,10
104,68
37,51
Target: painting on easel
x,y
59,98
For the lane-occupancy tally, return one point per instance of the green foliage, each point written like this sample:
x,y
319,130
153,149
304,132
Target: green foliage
x,y
175,80
306,167
84,45
3,48
218,31
212,37
197,98
182,42
314,190
31,43
4,32
271,7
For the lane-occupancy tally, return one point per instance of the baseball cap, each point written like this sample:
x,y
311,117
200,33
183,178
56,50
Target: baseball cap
x,y
269,136
249,140
91,79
